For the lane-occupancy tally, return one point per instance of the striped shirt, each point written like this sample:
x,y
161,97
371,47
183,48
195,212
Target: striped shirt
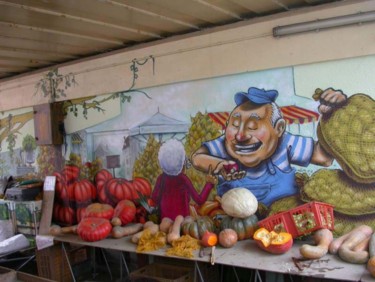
x,y
292,149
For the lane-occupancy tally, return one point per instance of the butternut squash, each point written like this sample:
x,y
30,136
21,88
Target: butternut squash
x,y
175,231
363,246
56,230
371,250
322,239
346,251
129,229
153,227
337,242
165,224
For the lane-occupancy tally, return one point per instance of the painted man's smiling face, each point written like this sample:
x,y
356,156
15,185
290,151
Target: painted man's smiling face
x,y
249,136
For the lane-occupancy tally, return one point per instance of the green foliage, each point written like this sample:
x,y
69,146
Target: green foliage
x,y
11,139
54,85
28,143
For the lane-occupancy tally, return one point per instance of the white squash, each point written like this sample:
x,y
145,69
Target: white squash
x,y
239,202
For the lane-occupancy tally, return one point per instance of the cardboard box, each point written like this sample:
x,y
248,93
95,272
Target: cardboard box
x,y
52,263
10,275
163,273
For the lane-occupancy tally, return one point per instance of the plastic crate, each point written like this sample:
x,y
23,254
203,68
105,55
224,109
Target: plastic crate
x,y
301,220
163,273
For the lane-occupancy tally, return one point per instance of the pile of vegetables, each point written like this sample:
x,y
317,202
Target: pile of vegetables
x,y
218,223
73,195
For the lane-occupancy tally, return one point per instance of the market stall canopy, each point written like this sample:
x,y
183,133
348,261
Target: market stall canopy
x,y
160,124
292,114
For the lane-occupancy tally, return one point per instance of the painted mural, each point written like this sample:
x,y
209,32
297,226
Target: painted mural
x,y
289,135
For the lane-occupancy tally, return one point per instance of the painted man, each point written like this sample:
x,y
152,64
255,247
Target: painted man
x,y
256,141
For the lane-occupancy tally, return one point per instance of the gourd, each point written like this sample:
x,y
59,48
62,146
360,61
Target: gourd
x,y
129,229
273,242
347,249
118,189
165,224
93,229
244,227
84,191
239,202
209,239
322,238
101,179
151,226
371,261
198,227
228,238
337,242
175,231
99,210
56,230
208,208
124,212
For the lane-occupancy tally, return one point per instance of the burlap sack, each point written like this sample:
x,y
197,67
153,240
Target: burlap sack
x,y
348,134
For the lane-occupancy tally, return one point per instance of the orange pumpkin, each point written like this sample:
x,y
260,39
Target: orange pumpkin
x,y
273,242
101,178
71,173
209,239
64,190
118,189
93,229
99,210
84,191
64,215
125,210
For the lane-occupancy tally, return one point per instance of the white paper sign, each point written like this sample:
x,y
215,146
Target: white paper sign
x,y
43,241
49,183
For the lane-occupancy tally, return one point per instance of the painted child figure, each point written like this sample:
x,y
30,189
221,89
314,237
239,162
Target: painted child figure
x,y
173,189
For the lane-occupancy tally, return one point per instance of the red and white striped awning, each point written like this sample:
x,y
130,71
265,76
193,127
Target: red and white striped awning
x,y
291,114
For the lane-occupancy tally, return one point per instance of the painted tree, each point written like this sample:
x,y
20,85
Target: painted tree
x,y
147,165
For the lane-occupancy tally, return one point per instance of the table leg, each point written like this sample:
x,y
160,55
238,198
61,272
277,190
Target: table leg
x,y
197,270
68,261
125,263
26,262
257,276
106,263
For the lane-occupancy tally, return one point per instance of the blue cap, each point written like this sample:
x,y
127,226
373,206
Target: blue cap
x,y
256,96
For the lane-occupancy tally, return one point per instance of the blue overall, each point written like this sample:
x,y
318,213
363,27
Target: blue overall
x,y
272,185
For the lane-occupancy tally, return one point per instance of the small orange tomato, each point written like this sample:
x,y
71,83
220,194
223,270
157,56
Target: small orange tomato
x,y
209,239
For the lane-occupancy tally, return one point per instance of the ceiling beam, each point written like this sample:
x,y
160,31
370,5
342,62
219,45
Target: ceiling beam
x,y
81,19
53,31
219,9
155,15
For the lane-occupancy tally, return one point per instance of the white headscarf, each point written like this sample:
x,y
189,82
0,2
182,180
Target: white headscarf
x,y
172,157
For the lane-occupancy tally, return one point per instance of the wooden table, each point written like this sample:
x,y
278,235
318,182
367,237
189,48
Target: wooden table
x,y
246,254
